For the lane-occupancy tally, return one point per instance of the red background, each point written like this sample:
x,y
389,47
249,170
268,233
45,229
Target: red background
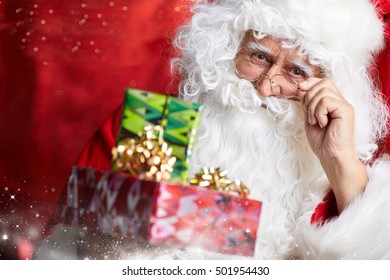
x,y
64,66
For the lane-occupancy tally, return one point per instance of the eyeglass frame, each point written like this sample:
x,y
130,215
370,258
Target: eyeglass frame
x,y
264,75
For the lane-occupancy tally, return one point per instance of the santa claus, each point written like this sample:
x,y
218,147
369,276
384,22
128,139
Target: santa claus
x,y
290,108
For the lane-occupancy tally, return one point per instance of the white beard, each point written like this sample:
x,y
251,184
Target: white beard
x,y
267,150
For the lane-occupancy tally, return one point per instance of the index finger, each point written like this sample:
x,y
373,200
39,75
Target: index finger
x,y
305,86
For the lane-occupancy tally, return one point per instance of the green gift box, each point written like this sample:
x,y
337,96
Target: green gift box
x,y
179,119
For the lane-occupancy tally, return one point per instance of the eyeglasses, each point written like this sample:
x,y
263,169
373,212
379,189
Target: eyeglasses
x,y
281,83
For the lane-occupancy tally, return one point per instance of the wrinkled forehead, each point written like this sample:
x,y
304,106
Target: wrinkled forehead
x,y
269,43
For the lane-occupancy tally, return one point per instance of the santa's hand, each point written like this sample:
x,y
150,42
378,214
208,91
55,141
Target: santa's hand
x,y
329,119
330,132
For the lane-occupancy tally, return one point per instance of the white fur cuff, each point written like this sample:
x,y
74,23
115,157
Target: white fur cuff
x,y
362,231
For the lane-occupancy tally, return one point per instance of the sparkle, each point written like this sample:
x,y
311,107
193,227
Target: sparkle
x,y
124,8
43,21
248,230
12,197
5,237
37,215
51,11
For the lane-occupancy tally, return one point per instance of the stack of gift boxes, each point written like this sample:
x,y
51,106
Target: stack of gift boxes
x,y
156,204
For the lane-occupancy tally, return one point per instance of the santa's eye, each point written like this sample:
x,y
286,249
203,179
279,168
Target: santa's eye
x,y
297,74
260,58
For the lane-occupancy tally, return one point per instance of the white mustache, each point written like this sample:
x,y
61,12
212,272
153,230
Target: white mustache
x,y
274,104
278,105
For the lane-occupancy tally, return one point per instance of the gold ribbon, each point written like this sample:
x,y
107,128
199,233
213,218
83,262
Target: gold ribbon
x,y
216,180
149,155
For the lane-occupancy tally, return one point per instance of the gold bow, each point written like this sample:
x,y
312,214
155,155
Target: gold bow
x,y
149,155
216,180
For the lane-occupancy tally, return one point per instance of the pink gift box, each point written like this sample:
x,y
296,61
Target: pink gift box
x,y
159,213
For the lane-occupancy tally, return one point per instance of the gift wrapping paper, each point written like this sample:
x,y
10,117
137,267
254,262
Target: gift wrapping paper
x,y
159,213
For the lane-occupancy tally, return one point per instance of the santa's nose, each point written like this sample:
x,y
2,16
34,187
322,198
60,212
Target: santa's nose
x,y
268,85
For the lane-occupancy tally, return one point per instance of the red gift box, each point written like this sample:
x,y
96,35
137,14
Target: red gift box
x,y
159,213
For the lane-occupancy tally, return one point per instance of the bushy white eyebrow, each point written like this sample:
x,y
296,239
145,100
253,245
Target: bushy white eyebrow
x,y
252,46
